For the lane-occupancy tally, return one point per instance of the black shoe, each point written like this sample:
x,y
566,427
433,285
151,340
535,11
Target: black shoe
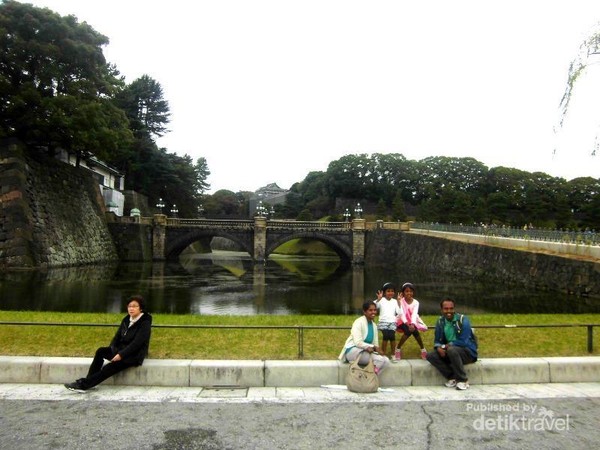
x,y
75,386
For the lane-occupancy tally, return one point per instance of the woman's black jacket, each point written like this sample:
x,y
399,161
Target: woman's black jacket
x,y
132,342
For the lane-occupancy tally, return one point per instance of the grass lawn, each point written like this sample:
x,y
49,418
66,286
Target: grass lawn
x,y
257,343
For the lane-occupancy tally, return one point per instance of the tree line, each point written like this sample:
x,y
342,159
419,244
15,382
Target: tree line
x,y
57,91
447,190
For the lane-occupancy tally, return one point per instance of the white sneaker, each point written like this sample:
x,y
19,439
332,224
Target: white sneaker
x,y
450,383
462,385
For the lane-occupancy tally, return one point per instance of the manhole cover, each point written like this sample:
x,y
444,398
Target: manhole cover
x,y
224,392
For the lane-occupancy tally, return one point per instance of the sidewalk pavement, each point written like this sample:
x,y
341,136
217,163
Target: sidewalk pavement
x,y
324,394
535,416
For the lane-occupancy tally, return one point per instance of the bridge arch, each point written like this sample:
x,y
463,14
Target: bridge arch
x,y
177,244
343,250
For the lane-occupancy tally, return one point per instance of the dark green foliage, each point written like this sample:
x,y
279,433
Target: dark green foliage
x,y
446,189
227,204
381,210
146,109
305,214
58,91
55,84
398,209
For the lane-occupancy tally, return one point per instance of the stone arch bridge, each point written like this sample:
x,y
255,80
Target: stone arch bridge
x,y
259,237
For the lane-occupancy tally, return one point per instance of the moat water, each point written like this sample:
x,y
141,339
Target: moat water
x,y
229,283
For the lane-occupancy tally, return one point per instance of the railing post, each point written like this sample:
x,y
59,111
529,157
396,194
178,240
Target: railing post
x,y
590,338
300,342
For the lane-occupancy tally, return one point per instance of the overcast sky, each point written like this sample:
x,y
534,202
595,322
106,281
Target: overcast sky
x,y
270,90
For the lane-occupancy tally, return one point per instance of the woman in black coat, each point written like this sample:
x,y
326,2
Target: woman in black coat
x,y
128,348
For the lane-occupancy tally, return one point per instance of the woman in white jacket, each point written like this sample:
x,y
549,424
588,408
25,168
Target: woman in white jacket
x,y
363,341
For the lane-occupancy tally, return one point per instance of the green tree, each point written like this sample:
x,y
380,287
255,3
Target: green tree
x,y
498,206
351,176
544,200
202,174
506,189
55,84
293,203
305,214
145,106
381,210
225,203
462,174
583,196
393,172
398,209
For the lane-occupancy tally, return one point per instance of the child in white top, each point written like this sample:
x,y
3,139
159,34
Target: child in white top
x,y
389,309
409,322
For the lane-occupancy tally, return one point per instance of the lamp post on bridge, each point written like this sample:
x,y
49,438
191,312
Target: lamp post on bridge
x,y
174,210
347,215
200,211
160,205
358,210
261,210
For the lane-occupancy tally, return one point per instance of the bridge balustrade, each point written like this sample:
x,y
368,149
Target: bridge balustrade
x,y
225,223
306,224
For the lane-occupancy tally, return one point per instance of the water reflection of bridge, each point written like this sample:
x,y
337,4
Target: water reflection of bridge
x,y
349,296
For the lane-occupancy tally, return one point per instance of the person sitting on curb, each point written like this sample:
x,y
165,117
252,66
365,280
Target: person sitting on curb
x,y
454,346
363,341
128,347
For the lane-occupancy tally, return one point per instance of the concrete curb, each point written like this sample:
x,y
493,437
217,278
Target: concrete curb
x,y
296,373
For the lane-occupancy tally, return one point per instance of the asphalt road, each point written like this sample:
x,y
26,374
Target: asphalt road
x,y
553,423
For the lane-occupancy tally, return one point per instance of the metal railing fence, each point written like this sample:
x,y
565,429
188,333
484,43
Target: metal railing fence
x,y
586,237
301,328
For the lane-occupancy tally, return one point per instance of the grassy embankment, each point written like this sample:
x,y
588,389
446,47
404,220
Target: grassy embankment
x,y
278,344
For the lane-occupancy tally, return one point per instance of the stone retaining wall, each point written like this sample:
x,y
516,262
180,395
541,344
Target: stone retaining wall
x,y
536,270
50,213
135,241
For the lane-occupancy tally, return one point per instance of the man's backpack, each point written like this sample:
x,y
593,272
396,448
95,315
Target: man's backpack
x,y
473,335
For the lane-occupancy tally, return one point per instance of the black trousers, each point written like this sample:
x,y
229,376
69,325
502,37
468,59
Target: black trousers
x,y
99,371
452,365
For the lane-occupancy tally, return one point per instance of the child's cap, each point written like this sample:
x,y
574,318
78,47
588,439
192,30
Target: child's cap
x,y
388,285
407,285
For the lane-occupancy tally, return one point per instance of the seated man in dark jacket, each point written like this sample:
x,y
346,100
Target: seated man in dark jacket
x,y
454,346
128,348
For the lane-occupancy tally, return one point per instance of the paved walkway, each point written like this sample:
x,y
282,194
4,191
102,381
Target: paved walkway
x,y
325,394
523,416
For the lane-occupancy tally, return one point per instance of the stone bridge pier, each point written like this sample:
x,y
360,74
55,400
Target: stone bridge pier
x,y
260,239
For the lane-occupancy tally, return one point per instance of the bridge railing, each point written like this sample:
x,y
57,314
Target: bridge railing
x,y
271,223
381,225
294,224
588,237
222,223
